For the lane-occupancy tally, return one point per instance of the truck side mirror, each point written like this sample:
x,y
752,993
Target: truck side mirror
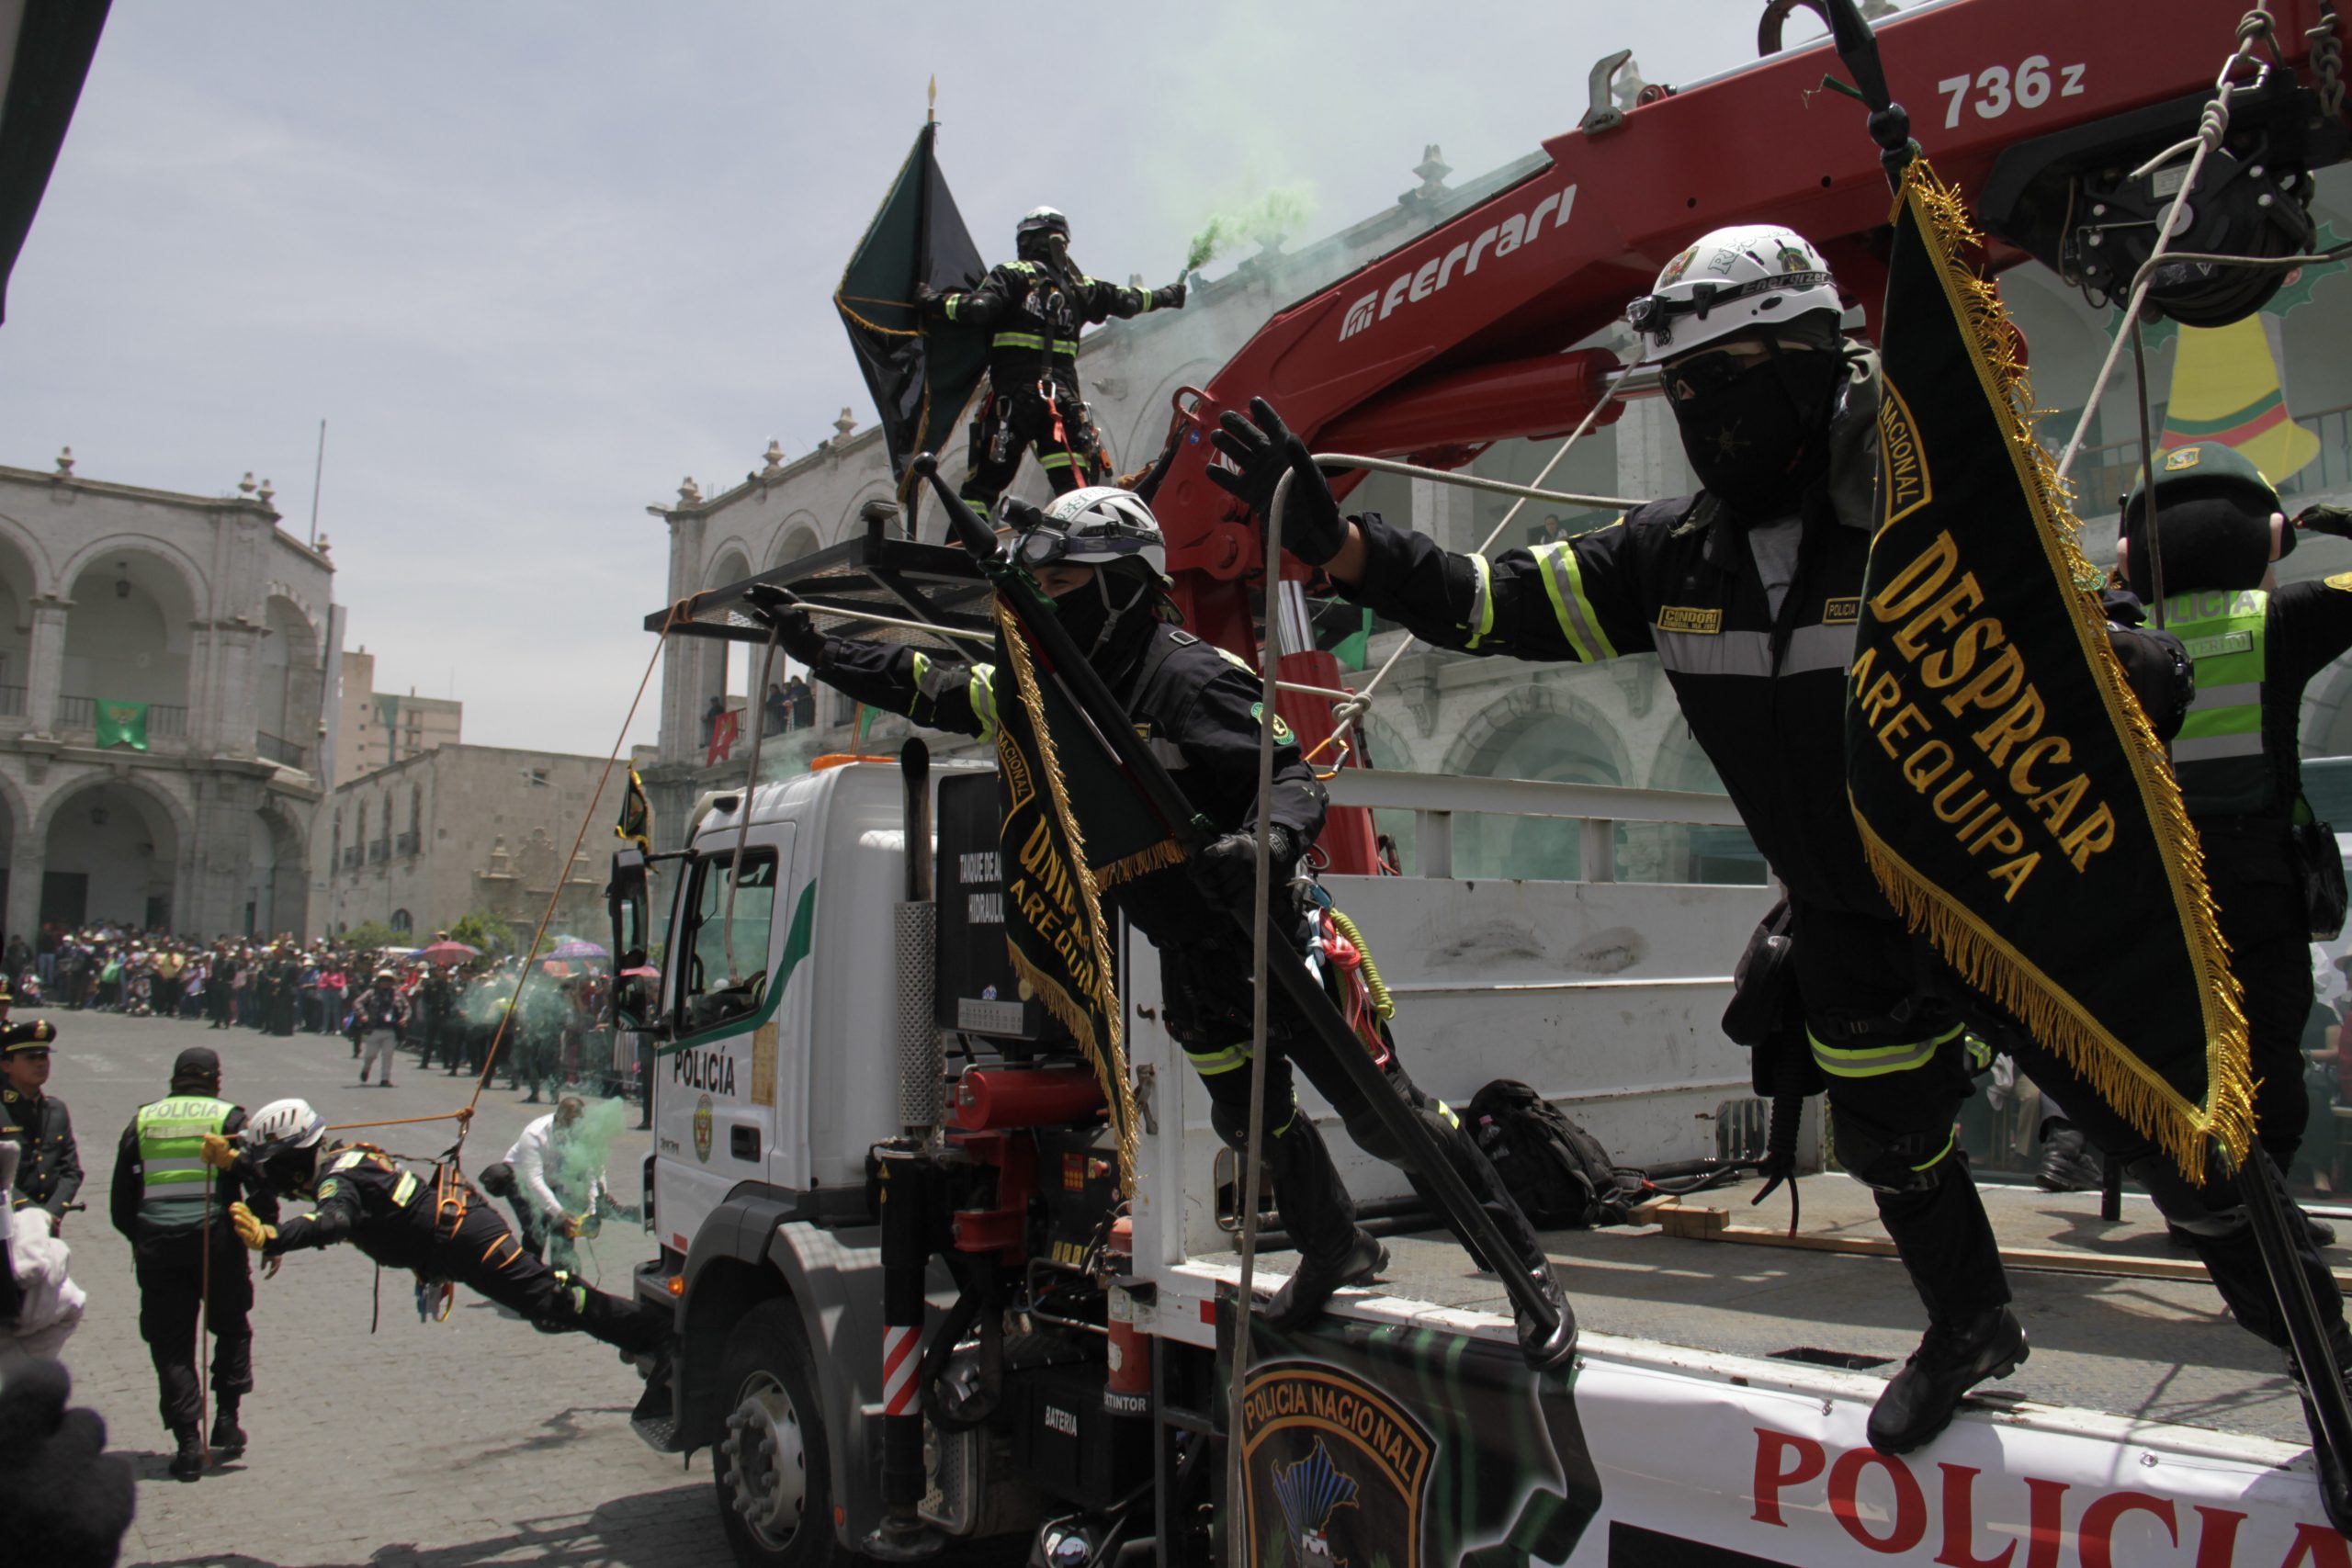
x,y
626,899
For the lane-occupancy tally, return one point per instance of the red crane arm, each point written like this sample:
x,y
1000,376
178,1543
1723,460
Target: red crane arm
x,y
1455,339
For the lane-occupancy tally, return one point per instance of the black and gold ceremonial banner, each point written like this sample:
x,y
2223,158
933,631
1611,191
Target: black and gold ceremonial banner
x,y
2013,800
1053,909
920,377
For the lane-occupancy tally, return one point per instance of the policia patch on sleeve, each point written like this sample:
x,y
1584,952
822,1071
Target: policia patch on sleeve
x,y
327,1189
2341,583
1282,731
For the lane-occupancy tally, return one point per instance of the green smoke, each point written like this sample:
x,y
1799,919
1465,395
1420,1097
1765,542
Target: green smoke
x,y
1280,214
582,1153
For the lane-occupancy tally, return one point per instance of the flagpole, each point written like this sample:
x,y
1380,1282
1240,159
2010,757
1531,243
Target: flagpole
x,y
2327,1404
1105,717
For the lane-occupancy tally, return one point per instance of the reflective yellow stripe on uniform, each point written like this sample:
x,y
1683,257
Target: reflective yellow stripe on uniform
x,y
1877,1061
1033,340
1208,1063
1055,460
954,305
403,1189
982,691
1564,584
1482,603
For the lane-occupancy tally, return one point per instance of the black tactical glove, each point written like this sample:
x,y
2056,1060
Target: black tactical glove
x,y
2335,520
930,301
2156,664
1227,867
774,608
1171,297
66,1500
1265,451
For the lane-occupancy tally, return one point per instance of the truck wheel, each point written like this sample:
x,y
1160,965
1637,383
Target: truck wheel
x,y
774,1489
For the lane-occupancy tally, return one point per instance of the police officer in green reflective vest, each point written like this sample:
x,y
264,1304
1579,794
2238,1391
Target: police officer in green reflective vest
x,y
161,1201
2252,645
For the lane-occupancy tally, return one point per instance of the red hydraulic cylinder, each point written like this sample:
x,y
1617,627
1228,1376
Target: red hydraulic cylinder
x,y
988,1099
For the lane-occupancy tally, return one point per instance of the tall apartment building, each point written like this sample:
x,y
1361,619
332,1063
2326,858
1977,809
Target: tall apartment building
x,y
383,727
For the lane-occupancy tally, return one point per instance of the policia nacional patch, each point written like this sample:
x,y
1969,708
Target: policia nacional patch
x,y
2010,795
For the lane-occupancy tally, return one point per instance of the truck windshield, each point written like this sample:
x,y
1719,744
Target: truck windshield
x,y
725,979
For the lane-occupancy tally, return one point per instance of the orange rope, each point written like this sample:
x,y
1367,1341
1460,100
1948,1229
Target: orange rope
x,y
464,1116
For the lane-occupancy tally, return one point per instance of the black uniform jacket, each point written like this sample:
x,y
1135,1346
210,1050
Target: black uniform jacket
x,y
229,1186
1765,697
1033,313
367,1200
2308,626
51,1172
1193,704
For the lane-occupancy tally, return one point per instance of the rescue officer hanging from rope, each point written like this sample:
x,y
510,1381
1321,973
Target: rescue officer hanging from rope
x,y
1034,308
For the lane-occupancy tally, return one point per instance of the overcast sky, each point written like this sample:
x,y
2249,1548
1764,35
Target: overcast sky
x,y
535,262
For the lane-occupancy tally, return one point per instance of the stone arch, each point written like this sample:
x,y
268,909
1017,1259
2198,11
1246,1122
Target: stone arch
x,y
275,892
129,635
1148,429
729,562
877,489
1542,732
115,546
2327,726
18,905
720,666
95,863
1387,744
22,570
796,535
42,579
287,703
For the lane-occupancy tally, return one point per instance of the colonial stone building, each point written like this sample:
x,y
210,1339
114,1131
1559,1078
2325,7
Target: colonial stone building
x,y
431,837
166,695
1614,724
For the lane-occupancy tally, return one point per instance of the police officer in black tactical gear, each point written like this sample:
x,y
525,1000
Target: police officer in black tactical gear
x,y
1749,592
50,1173
2254,647
1098,553
1033,309
161,1201
445,1233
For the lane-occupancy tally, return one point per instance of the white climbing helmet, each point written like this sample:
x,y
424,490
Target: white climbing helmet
x,y
1748,276
287,1123
1095,526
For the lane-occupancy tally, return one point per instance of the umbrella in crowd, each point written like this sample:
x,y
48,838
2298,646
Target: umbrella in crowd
x,y
574,948
450,952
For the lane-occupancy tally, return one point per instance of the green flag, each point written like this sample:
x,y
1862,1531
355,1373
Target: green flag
x,y
2012,798
1354,650
920,374
122,724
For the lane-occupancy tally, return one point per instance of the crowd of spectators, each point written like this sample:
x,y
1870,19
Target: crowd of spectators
x,y
561,1038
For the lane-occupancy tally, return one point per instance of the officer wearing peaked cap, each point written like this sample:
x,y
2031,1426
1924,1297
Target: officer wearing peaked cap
x,y
50,1173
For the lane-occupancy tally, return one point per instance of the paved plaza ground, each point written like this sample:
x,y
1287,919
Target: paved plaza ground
x,y
476,1440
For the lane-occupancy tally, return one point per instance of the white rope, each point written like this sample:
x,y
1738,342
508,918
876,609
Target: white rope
x,y
966,634
1344,716
2212,125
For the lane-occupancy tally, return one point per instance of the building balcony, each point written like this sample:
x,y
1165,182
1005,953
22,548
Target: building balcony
x,y
165,721
405,844
284,753
12,702
352,857
379,852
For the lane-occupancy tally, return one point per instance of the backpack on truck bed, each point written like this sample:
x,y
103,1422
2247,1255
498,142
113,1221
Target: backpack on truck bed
x,y
1560,1174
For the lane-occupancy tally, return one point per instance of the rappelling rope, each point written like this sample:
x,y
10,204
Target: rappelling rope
x,y
448,1179
1345,714
2212,125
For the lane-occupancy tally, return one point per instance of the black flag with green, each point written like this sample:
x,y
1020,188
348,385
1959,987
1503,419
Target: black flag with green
x,y
921,378
2014,802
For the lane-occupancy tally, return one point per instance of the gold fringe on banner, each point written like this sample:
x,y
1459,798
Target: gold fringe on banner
x,y
1143,863
1108,1058
1980,954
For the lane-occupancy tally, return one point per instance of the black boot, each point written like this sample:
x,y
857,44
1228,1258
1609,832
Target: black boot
x,y
1304,1295
189,1463
227,1436
1952,1359
1321,1220
2069,1164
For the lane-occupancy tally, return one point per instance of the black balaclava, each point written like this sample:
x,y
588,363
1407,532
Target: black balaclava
x,y
1046,246
1100,613
2213,540
1758,441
